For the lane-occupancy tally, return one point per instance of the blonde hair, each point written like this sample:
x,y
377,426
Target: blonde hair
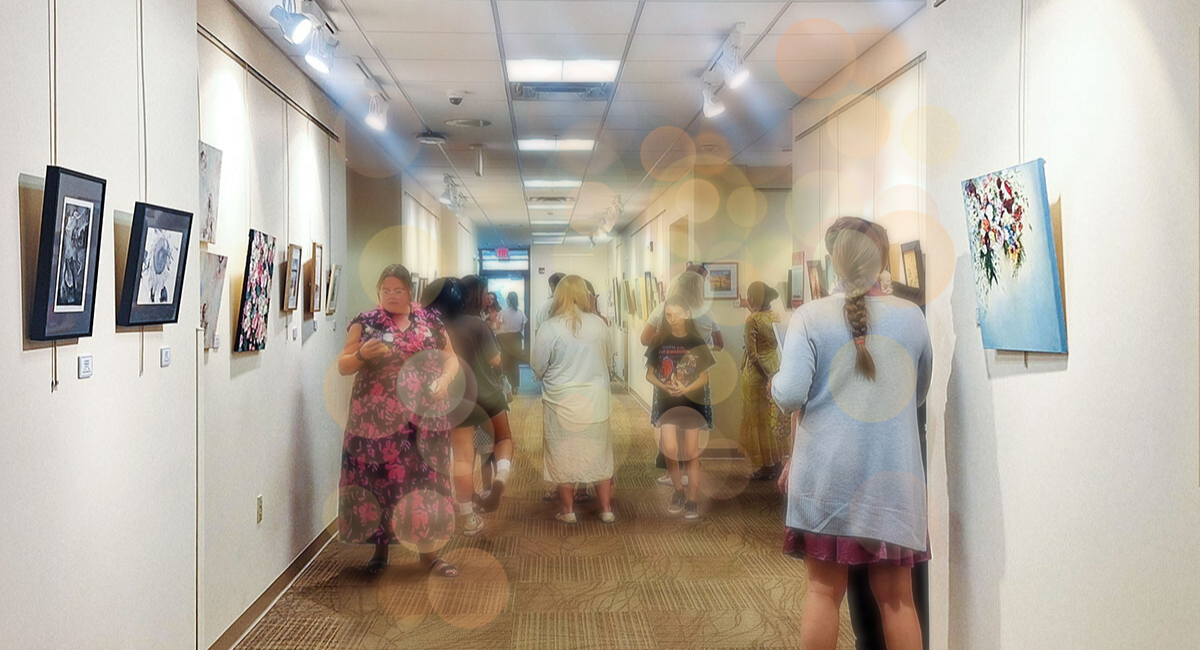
x,y
859,249
690,285
571,300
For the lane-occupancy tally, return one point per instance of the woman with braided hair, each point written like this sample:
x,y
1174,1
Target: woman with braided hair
x,y
857,365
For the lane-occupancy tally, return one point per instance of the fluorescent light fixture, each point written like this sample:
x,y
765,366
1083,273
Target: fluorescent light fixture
x,y
557,235
320,51
549,222
295,26
377,115
548,184
555,145
540,206
553,70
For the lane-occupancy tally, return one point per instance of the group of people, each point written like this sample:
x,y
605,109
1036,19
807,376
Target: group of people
x,y
431,371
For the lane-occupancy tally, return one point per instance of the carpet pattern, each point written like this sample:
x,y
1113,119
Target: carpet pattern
x,y
649,581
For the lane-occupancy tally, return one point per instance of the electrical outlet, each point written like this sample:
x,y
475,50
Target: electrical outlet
x,y
259,520
164,357
85,366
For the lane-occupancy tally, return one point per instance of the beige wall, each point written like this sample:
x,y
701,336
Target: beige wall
x,y
99,476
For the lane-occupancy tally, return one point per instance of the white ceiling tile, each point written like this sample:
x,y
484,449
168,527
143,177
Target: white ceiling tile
x,y
441,16
564,46
811,47
661,71
563,126
853,17
449,72
650,115
566,17
432,46
476,91
674,47
707,17
662,93
533,109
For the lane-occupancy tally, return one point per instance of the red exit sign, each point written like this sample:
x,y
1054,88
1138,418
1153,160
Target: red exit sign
x,y
502,253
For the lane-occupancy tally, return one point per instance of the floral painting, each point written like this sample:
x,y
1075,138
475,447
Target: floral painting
x,y
212,288
210,191
251,332
1017,285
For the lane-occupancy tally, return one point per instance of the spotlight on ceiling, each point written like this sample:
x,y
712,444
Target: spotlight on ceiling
x,y
733,66
447,197
712,106
320,51
377,114
295,26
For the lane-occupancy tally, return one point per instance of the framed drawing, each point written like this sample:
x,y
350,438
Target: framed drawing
x,y
210,191
291,278
722,281
154,269
64,298
1017,286
212,289
914,264
251,334
316,291
816,280
795,284
331,288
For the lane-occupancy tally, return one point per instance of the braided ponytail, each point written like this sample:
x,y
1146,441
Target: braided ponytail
x,y
856,314
859,250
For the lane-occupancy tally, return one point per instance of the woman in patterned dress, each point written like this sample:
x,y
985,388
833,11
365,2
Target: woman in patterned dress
x,y
764,427
395,485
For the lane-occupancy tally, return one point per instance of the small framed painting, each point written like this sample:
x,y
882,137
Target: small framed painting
x,y
795,284
158,249
722,281
331,288
316,292
914,264
64,298
291,279
212,288
210,191
816,280
831,281
422,283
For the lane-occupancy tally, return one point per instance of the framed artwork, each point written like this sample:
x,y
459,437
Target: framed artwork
x,y
795,285
816,280
1017,286
64,298
154,269
895,264
291,278
830,274
914,264
212,289
251,332
421,284
210,191
331,288
316,291
662,292
722,281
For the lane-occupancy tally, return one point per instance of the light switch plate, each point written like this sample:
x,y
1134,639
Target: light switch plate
x,y
295,333
216,341
164,357
85,366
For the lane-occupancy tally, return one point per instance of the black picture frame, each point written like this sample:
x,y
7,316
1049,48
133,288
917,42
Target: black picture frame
x,y
722,273
64,297
156,304
912,259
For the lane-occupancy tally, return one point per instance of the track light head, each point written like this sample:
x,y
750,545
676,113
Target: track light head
x,y
712,106
377,114
736,73
296,27
320,51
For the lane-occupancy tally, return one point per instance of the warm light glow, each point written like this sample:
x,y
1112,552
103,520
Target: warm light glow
x,y
555,145
550,70
548,184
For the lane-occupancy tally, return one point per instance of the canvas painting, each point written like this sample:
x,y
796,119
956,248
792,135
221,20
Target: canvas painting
x,y
68,256
331,288
1017,286
212,289
155,266
210,191
256,293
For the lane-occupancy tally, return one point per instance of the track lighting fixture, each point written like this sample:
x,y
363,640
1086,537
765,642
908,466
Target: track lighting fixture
x,y
712,106
732,64
295,26
377,113
320,51
447,197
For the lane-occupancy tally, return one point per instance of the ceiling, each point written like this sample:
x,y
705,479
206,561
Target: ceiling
x,y
420,51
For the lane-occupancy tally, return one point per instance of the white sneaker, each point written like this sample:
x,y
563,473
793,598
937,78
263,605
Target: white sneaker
x,y
472,525
567,518
665,479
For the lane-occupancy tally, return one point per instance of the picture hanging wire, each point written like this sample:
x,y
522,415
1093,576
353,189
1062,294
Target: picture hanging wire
x,y
53,23
143,153
1021,105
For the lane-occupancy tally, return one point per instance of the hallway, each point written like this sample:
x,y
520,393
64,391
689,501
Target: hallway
x,y
649,581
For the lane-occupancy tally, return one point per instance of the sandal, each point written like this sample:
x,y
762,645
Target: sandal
x,y
763,474
440,568
375,565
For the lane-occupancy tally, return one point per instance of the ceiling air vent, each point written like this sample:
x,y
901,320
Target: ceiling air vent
x,y
549,201
561,91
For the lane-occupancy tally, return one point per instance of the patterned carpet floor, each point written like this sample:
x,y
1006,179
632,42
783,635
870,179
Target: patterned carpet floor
x,y
649,581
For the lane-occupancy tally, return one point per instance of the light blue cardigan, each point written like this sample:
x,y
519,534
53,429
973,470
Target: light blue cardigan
x,y
856,465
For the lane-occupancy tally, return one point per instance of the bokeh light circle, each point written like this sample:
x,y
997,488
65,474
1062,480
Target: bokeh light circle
x,y
893,389
668,153
336,390
727,479
905,226
941,134
386,248
359,514
747,206
424,520
476,596
815,39
697,199
860,142
683,418
895,486
576,413
723,377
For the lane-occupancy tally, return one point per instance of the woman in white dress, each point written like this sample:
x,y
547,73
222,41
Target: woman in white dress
x,y
570,358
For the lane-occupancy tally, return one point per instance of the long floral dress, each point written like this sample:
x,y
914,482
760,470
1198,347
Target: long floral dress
x,y
395,485
764,426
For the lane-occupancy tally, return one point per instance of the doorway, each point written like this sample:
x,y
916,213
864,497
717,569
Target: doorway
x,y
506,271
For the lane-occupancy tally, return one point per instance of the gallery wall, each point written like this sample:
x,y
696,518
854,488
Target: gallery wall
x,y
1074,481
99,475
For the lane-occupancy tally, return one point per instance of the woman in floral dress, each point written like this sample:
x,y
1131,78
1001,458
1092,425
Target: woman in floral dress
x,y
764,427
395,485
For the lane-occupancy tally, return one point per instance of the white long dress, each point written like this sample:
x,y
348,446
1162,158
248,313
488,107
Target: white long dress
x,y
576,398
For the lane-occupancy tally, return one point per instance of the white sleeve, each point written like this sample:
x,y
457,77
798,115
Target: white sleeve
x,y
797,368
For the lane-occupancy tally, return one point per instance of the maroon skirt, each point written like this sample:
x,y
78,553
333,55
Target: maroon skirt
x,y
849,550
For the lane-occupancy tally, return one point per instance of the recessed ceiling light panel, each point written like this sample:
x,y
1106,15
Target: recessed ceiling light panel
x,y
553,184
544,144
552,70
468,123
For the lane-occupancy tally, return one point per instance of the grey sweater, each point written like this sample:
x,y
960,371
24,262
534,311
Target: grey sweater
x,y
856,464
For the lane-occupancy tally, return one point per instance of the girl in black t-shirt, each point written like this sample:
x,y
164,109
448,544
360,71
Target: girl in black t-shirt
x,y
677,364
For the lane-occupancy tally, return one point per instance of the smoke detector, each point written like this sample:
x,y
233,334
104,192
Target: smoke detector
x,y
431,138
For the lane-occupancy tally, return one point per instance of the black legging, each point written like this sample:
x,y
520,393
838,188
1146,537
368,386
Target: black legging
x,y
511,355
